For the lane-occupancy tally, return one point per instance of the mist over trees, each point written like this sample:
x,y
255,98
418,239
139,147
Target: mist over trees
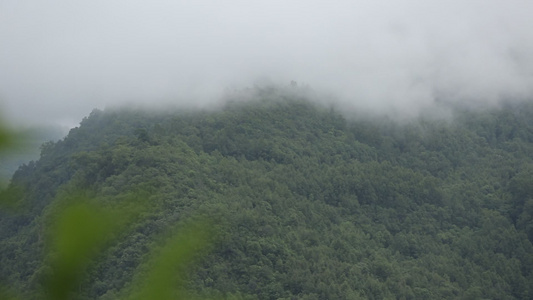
x,y
305,202
406,174
60,60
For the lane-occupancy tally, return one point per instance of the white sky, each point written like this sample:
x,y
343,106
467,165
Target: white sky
x,y
60,59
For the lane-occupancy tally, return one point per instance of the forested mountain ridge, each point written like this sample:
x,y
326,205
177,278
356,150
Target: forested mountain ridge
x,y
307,203
27,149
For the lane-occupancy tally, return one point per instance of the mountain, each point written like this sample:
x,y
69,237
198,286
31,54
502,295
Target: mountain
x,y
28,149
305,202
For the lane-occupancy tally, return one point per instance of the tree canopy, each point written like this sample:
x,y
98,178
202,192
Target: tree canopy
x,y
304,202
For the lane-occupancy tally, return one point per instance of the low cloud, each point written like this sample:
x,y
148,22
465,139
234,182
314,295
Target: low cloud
x,y
60,59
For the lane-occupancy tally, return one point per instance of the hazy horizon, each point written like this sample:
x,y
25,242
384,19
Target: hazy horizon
x,y
60,59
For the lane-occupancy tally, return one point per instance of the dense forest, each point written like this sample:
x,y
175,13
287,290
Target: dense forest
x,y
304,202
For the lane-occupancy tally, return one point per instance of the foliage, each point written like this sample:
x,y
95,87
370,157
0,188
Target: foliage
x,y
305,203
79,228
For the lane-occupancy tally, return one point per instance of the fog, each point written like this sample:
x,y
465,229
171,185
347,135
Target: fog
x,y
60,59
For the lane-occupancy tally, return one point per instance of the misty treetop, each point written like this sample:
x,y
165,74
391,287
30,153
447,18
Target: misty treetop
x,y
305,202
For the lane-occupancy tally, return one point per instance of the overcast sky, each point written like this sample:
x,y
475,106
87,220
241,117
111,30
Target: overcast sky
x,y
59,59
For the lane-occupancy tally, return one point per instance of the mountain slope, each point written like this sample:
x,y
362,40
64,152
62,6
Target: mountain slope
x,y
306,203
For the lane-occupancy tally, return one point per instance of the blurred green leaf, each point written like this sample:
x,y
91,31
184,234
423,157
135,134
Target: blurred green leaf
x,y
79,232
11,198
7,294
171,264
78,235
5,138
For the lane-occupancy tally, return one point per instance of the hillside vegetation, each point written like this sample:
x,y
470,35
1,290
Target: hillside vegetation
x,y
305,203
26,149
